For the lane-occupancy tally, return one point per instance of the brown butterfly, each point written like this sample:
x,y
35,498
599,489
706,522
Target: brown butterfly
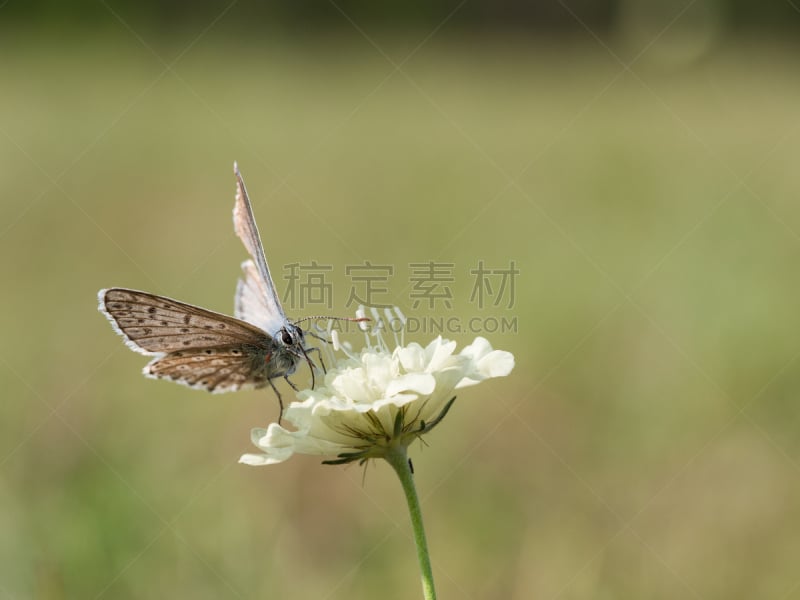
x,y
208,350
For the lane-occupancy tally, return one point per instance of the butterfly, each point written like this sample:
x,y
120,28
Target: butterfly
x,y
209,350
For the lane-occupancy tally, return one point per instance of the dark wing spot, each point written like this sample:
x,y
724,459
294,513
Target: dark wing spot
x,y
147,331
187,342
151,310
206,326
237,352
164,323
221,325
140,321
209,351
187,319
184,330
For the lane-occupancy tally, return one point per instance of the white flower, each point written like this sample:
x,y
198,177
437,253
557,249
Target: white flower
x,y
377,398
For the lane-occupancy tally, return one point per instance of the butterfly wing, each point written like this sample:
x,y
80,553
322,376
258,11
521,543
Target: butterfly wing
x,y
192,346
216,370
154,324
270,315
250,303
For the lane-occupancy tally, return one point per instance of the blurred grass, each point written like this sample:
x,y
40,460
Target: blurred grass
x,y
646,445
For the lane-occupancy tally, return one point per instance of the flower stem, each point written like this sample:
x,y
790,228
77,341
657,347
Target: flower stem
x,y
397,457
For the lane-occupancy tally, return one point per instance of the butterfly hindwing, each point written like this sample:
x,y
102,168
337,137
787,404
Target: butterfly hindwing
x,y
250,304
224,369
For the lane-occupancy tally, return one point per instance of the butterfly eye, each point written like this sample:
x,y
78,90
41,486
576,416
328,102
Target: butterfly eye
x,y
286,338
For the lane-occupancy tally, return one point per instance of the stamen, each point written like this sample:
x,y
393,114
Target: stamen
x,y
328,348
361,314
378,329
374,335
390,320
343,347
403,320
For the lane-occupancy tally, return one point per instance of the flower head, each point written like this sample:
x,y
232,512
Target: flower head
x,y
377,398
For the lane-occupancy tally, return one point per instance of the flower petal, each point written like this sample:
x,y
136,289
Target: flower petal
x,y
497,363
486,363
438,351
411,357
259,460
421,383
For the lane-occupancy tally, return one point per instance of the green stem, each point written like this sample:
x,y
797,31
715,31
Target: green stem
x,y
397,457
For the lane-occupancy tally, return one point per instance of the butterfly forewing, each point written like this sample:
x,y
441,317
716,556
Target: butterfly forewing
x,y
244,224
154,324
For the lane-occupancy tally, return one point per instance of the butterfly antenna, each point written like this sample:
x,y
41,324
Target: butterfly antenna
x,y
351,319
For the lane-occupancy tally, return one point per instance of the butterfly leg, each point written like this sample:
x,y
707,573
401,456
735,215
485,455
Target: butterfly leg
x,y
280,400
311,365
319,337
319,353
289,381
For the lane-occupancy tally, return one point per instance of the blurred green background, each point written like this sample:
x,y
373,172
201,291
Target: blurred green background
x,y
638,162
